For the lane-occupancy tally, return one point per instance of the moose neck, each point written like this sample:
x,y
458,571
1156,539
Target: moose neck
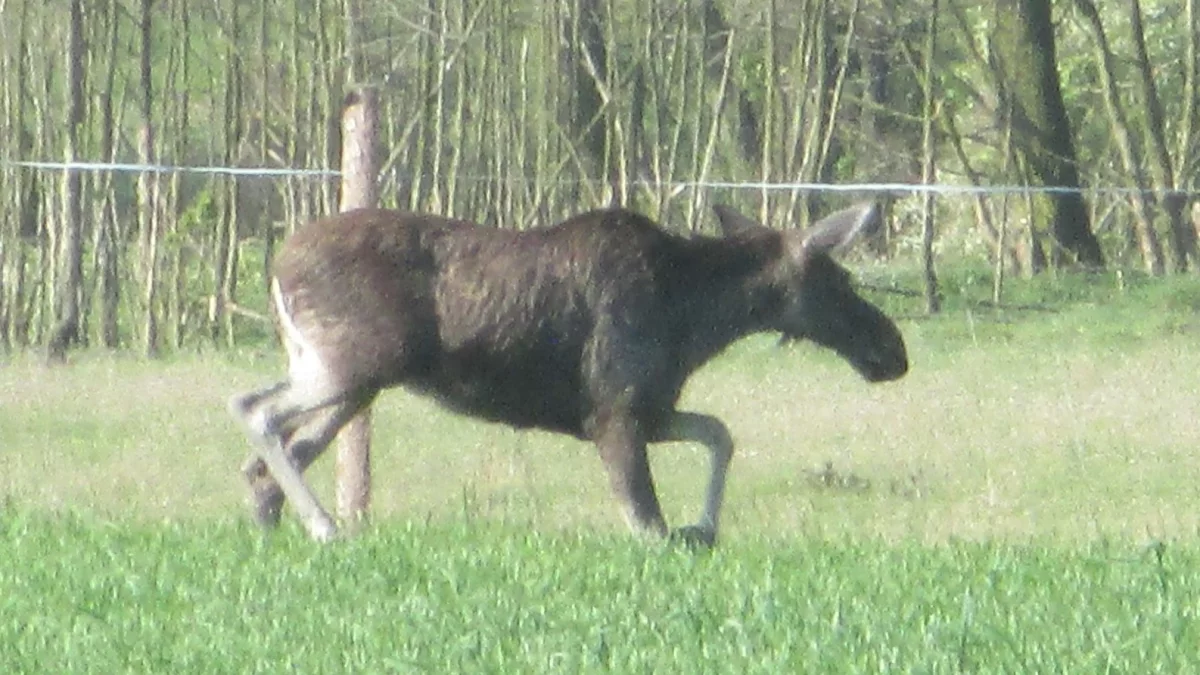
x,y
726,291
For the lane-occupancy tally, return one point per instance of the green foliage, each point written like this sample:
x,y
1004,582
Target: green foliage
x,y
80,595
965,282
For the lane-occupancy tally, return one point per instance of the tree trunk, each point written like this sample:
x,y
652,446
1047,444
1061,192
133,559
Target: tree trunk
x,y
1147,238
225,263
148,227
107,242
264,118
933,300
12,201
1024,47
769,114
70,250
331,88
998,235
704,156
717,34
1190,118
1183,237
585,58
147,192
830,101
180,69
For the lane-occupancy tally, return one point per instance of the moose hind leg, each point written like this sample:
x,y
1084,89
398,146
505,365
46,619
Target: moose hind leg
x,y
268,416
303,446
714,435
265,495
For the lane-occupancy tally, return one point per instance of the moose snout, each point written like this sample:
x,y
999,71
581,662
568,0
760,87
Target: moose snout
x,y
887,361
889,370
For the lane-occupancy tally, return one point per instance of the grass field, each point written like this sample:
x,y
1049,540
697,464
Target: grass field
x,y
1024,501
84,596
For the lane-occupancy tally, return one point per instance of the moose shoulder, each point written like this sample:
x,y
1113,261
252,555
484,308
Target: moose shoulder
x,y
588,328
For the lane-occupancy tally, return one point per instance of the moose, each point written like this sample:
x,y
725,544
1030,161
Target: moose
x,y
589,328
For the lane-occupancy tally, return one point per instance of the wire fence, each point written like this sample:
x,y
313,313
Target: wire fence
x,y
871,187
195,275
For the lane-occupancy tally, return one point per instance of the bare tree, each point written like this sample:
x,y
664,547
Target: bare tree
x,y
107,239
70,242
585,60
1024,46
1152,253
1162,170
933,300
147,188
179,98
21,202
225,262
1188,154
749,112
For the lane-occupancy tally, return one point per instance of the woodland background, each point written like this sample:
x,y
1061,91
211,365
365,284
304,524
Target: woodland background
x,y
517,113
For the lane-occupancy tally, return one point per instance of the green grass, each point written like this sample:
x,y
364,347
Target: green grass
x,y
1024,501
85,596
1062,424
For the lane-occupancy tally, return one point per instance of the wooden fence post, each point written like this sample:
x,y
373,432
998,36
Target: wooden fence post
x,y
360,171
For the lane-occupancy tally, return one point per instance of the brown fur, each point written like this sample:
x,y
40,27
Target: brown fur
x,y
589,328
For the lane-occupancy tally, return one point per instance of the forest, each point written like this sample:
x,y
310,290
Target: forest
x,y
156,152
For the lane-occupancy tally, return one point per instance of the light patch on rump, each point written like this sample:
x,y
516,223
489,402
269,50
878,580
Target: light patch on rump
x,y
305,367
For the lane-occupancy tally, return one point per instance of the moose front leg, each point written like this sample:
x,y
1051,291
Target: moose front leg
x,y
714,435
623,452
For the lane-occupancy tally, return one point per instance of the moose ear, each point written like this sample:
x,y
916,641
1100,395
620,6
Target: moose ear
x,y
837,231
733,223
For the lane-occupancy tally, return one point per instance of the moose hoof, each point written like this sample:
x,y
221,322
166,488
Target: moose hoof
x,y
322,530
265,497
694,537
266,506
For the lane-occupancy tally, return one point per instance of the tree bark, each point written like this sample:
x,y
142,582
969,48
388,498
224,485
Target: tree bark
x,y
1183,237
585,57
1152,253
717,34
225,263
147,191
25,186
70,251
933,300
106,237
148,224
1024,47
264,119
1190,118
10,206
